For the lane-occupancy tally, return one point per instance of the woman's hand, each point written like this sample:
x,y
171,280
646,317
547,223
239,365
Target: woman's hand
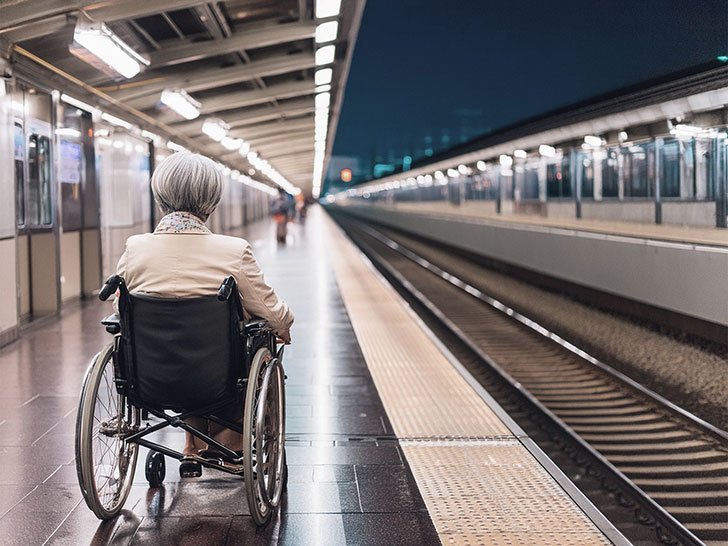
x,y
284,336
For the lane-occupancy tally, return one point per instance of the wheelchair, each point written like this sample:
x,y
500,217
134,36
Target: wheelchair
x,y
175,359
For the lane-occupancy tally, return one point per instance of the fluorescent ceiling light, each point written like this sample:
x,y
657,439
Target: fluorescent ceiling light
x,y
244,148
326,32
323,100
546,150
104,50
116,121
481,165
327,8
323,76
231,143
592,140
77,103
505,160
67,131
322,89
215,128
179,101
175,147
325,55
252,156
520,154
452,173
623,136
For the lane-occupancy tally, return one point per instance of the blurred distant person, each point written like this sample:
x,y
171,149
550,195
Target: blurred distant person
x,y
281,213
301,208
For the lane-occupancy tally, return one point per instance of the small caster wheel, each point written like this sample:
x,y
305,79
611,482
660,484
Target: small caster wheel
x,y
155,469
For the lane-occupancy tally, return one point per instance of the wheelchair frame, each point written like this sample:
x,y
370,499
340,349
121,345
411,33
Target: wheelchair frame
x,y
263,498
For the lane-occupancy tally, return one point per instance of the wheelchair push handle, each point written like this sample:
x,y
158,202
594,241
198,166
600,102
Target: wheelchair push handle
x,y
226,288
110,286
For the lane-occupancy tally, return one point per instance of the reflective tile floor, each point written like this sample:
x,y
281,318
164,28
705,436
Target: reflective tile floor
x,y
348,481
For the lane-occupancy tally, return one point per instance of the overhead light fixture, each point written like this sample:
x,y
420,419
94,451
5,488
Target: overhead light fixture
x,y
481,165
325,55
252,156
546,150
175,147
322,100
153,137
68,132
179,101
77,103
231,143
623,136
520,154
505,160
322,89
116,121
326,32
215,128
244,148
464,169
452,173
592,140
95,44
327,8
323,76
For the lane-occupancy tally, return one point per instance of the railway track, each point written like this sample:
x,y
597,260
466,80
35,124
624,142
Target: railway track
x,y
671,464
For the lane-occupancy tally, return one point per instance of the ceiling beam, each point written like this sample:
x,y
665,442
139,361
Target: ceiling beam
x,y
283,137
277,127
250,39
25,12
237,99
141,92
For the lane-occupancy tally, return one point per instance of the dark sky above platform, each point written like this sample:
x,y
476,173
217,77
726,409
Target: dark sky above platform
x,y
421,65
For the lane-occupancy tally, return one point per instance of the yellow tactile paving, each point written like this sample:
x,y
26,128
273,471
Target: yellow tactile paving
x,y
480,484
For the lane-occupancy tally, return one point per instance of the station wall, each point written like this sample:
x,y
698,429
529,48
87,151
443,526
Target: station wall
x,y
683,278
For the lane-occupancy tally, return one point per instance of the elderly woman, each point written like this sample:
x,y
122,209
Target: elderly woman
x,y
183,259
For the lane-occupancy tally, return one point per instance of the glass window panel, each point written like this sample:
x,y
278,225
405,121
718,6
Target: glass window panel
x,y
670,175
19,156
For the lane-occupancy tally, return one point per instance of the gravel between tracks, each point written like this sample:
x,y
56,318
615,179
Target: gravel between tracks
x,y
685,374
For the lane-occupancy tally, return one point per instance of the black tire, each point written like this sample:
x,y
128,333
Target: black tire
x,y
155,469
105,462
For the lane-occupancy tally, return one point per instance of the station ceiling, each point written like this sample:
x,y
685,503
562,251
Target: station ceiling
x,y
250,63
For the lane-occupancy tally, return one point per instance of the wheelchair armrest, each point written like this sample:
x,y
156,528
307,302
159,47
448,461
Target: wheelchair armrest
x,y
257,324
112,323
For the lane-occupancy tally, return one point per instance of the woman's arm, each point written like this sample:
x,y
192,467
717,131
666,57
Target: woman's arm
x,y
259,299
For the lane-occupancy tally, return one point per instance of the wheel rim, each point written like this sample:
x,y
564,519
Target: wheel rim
x,y
264,435
107,460
269,438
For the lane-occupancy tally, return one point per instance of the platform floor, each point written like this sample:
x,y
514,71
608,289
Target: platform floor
x,y
350,432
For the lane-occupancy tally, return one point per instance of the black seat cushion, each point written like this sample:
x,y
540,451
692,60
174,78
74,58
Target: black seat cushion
x,y
183,351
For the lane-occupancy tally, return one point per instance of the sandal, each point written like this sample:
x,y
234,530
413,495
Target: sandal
x,y
189,468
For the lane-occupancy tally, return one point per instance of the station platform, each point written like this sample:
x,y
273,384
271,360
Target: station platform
x,y
485,210
388,442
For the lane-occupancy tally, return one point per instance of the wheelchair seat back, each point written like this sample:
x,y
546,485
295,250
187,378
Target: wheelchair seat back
x,y
185,353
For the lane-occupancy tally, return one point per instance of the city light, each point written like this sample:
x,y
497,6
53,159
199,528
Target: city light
x,y
107,49
215,128
179,101
325,55
546,150
327,8
323,76
326,32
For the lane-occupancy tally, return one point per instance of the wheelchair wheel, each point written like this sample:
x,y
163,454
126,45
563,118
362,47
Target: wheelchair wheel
x,y
105,462
264,436
155,468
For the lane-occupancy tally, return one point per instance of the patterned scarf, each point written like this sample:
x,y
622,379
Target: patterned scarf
x,y
181,222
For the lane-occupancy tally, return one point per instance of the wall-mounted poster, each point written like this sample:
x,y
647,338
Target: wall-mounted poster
x,y
70,164
70,167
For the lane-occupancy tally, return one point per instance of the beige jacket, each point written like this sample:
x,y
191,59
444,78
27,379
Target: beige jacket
x,y
188,264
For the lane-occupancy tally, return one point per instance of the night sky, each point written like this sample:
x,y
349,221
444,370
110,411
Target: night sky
x,y
453,70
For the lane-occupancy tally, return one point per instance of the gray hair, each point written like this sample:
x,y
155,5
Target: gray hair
x,y
187,182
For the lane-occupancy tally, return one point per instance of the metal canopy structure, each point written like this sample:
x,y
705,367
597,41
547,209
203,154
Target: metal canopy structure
x,y
249,63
